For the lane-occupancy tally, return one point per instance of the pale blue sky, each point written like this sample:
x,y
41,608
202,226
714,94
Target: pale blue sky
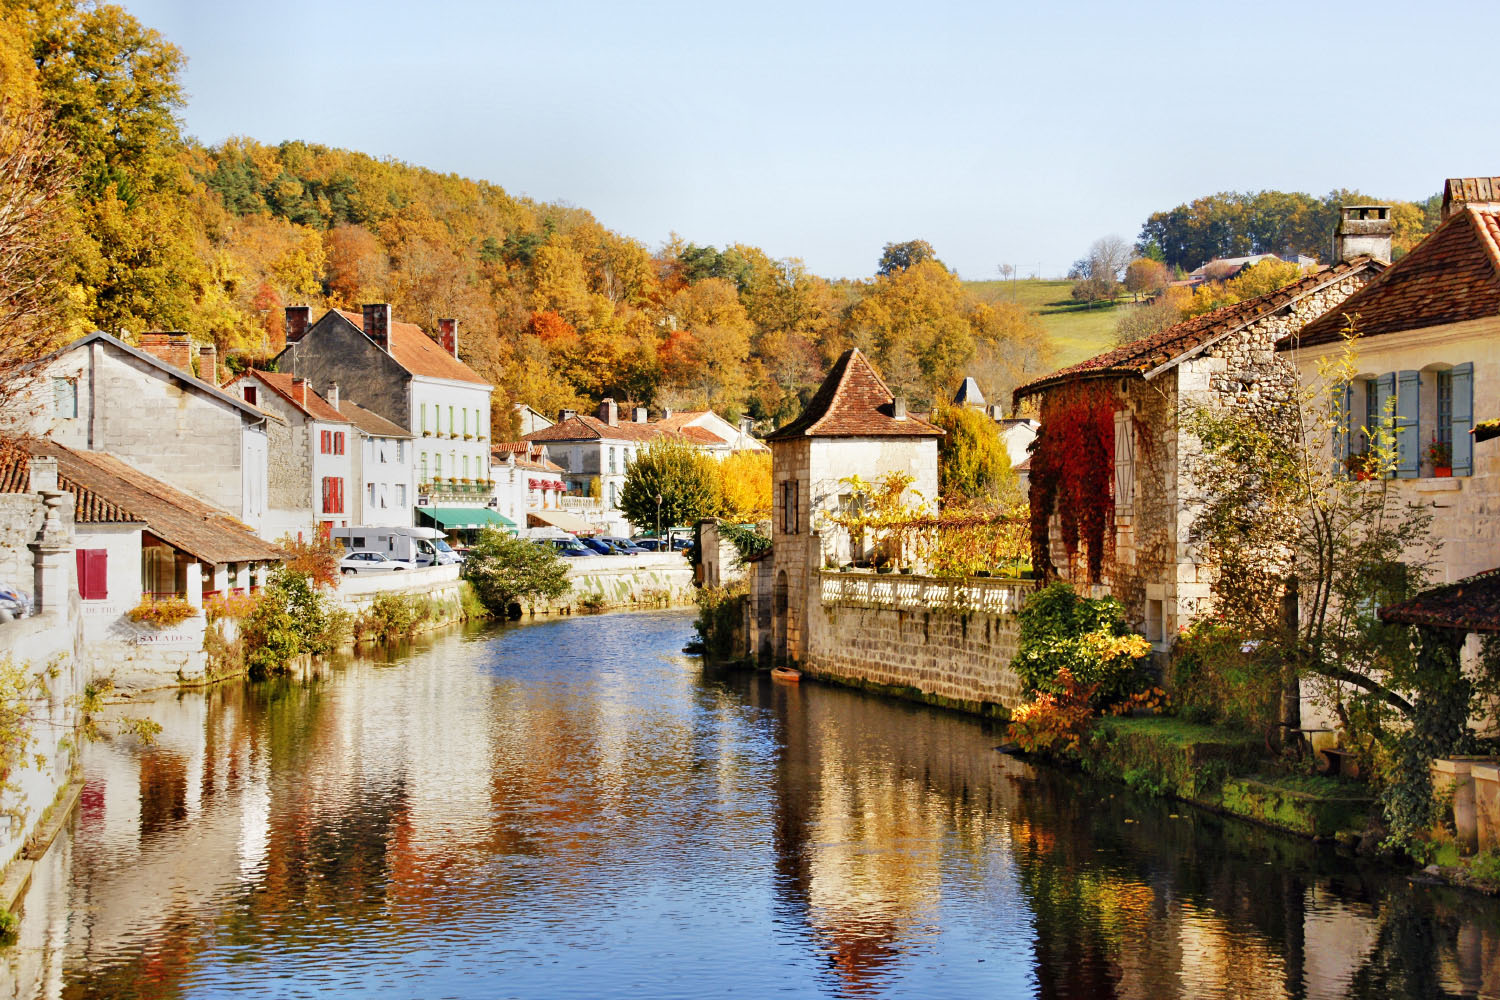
x,y
998,132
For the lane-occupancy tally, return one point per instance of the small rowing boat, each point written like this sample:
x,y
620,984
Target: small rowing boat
x,y
786,674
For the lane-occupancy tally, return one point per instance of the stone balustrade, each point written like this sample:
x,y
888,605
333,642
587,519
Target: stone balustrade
x,y
924,593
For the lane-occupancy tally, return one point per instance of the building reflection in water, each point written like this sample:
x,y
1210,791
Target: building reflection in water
x,y
573,798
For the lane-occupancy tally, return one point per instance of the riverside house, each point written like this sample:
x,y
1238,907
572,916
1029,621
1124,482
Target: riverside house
x,y
145,406
1111,484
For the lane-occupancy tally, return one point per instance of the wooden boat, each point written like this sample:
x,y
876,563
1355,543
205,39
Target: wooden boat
x,y
786,674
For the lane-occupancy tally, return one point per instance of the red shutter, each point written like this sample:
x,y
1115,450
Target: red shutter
x,y
339,439
325,494
93,574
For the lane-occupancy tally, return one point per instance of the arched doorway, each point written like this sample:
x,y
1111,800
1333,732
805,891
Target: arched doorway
x,y
778,624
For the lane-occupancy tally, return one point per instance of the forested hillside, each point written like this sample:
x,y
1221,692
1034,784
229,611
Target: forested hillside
x,y
554,308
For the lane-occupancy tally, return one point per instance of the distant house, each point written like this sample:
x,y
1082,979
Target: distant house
x,y
144,405
1132,539
1223,268
709,432
530,420
137,536
419,384
526,480
311,483
1016,433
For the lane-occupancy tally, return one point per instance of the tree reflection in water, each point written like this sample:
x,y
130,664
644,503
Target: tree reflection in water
x,y
573,809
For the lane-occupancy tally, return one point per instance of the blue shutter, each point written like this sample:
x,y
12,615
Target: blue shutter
x,y
1463,419
1408,429
1341,402
1385,389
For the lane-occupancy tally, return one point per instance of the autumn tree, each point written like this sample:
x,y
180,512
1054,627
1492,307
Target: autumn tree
x,y
973,462
1146,277
897,257
1096,275
745,485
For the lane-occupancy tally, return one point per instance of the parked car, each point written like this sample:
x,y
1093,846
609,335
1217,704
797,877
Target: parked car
x,y
681,544
599,546
567,547
647,544
14,603
365,561
623,546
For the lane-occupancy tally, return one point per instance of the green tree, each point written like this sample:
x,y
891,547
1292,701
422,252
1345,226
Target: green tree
x,y
291,618
973,463
897,257
504,570
683,477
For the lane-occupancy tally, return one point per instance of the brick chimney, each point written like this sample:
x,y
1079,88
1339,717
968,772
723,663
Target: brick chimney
x,y
299,391
176,349
1363,229
377,324
208,364
639,415
297,320
332,395
609,412
1460,191
898,408
448,335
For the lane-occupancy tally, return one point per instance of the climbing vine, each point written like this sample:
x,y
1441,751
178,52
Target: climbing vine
x,y
1072,473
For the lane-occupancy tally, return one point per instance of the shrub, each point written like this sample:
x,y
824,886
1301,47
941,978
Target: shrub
x,y
1056,720
317,559
291,618
162,613
720,614
473,608
391,617
229,605
1088,637
1216,676
504,570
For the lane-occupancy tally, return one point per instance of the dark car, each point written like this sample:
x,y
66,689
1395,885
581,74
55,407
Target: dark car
x,y
647,544
599,546
567,547
681,544
622,546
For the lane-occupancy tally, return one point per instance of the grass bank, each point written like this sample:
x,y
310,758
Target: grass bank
x,y
1077,331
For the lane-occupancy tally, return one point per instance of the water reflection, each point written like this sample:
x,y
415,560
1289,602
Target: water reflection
x,y
573,809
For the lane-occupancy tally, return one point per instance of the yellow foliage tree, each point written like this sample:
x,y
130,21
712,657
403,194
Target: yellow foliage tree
x,y
745,485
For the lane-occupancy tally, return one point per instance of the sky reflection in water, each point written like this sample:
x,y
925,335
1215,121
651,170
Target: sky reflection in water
x,y
574,809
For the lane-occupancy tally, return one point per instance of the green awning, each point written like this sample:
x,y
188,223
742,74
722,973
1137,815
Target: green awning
x,y
449,518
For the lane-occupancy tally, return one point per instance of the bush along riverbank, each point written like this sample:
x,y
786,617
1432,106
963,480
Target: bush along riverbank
x,y
1209,734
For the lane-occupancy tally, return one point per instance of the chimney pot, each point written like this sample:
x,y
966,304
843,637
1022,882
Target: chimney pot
x,y
176,349
639,415
333,395
666,411
43,473
297,319
566,415
448,335
898,407
377,324
1363,229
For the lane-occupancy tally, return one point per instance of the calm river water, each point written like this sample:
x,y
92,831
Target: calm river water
x,y
575,809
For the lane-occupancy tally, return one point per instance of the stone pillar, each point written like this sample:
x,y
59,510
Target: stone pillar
x,y
195,584
50,552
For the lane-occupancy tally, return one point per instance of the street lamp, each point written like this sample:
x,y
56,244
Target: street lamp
x,y
658,518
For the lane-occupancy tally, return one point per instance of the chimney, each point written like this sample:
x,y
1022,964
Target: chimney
x,y
1363,229
377,324
208,364
639,415
299,391
566,415
1459,191
448,335
332,395
297,318
176,349
666,412
609,412
43,474
745,426
898,408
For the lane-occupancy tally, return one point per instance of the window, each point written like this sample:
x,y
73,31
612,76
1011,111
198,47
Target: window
x,y
438,473
161,576
400,494
450,420
466,421
251,395
383,449
384,495
333,495
338,442
93,574
358,542
423,477
1461,419
789,507
1124,463
1154,630
64,397
611,459
400,450
612,494
424,419
370,493
466,466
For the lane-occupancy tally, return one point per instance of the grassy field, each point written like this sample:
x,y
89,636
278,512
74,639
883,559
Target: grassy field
x,y
1077,331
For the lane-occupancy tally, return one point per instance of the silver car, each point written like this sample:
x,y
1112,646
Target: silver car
x,y
365,561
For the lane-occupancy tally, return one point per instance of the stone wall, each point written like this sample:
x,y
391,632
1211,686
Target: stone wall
x,y
933,640
599,582
334,350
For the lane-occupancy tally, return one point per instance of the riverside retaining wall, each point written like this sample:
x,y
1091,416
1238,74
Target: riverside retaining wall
x,y
598,582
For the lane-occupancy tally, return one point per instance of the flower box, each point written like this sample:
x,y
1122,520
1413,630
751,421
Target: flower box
x,y
1442,471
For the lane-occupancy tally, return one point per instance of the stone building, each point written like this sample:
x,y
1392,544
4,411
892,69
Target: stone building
x,y
417,383
1111,486
853,425
1428,347
145,406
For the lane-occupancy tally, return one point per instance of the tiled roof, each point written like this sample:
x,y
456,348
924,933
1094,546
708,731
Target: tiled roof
x,y
528,456
88,506
853,401
1167,346
182,521
301,397
419,354
372,424
586,428
1451,276
1471,604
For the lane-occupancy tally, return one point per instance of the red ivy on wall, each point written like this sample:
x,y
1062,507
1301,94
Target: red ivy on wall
x,y
1072,473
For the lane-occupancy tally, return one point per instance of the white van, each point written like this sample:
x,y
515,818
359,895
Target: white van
x,y
418,546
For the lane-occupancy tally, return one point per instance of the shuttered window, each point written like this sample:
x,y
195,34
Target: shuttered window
x,y
1124,464
93,574
1408,429
789,507
1341,404
333,495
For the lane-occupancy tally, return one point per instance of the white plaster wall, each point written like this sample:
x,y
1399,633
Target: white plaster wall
x,y
122,543
440,438
336,466
385,463
832,459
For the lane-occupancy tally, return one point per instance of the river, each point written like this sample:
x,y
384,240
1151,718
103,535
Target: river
x,y
575,809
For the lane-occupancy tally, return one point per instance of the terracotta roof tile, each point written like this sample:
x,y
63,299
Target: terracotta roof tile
x,y
528,456
372,424
1451,276
419,354
1141,356
1471,604
88,507
853,401
302,397
586,428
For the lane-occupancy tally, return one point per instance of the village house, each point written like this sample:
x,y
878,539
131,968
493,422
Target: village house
x,y
145,406
529,420
710,433
385,471
1111,485
311,486
1428,351
528,484
398,372
853,426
